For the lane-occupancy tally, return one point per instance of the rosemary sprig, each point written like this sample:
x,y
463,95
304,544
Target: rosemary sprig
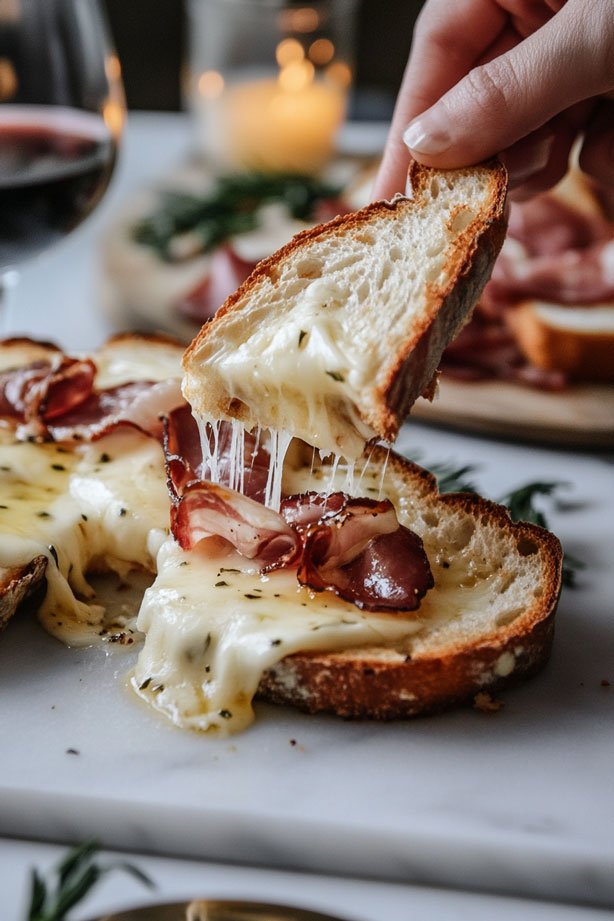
x,y
520,503
71,881
454,479
229,208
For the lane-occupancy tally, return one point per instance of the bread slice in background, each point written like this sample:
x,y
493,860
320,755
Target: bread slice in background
x,y
487,623
576,340
335,336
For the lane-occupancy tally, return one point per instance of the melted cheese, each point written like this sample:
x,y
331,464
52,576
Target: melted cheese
x,y
214,625
98,506
294,371
134,359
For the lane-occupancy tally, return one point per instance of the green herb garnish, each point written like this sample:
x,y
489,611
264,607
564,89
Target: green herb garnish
x,y
70,882
520,503
229,208
336,376
454,479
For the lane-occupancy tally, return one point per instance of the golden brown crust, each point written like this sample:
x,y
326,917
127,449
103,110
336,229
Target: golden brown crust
x,y
18,583
156,338
392,686
20,350
475,252
584,356
473,257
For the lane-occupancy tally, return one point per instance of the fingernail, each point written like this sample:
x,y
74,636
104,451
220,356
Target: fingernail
x,y
426,135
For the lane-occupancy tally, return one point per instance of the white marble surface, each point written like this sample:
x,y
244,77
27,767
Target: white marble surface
x,y
520,801
354,900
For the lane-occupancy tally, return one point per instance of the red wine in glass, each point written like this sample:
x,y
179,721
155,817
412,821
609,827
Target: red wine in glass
x,y
61,113
55,164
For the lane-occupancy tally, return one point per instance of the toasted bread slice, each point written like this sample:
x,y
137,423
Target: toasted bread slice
x,y
576,340
487,622
334,337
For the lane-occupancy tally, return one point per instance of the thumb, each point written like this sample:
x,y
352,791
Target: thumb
x,y
498,103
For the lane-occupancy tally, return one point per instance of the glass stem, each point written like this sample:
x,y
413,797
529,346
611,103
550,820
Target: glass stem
x,y
8,280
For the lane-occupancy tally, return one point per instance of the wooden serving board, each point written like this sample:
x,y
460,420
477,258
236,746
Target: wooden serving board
x,y
582,416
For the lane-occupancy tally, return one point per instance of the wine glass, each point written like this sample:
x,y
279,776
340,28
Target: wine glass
x,y
61,115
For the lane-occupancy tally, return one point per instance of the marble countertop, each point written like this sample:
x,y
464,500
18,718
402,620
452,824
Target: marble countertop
x,y
349,899
519,801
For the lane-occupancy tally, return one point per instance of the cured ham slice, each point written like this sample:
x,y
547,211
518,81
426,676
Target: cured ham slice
x,y
139,404
201,509
257,532
486,349
226,272
309,508
546,226
183,449
573,277
354,547
554,253
366,557
57,400
45,390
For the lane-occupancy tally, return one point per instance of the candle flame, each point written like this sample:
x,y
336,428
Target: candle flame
x,y
296,76
112,68
288,52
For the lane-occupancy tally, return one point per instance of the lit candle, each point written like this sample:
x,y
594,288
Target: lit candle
x,y
287,123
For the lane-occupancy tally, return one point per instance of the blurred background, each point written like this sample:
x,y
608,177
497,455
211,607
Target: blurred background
x,y
151,39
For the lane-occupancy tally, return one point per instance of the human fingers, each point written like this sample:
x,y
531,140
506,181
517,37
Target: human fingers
x,y
437,61
540,160
597,152
567,60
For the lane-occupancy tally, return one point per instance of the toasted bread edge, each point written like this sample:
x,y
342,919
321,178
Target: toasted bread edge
x,y
390,686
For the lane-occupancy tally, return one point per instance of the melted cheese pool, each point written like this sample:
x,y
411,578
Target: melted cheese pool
x,y
101,506
214,625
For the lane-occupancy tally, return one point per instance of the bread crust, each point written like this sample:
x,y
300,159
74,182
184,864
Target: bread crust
x,y
475,252
385,685
17,584
416,361
584,356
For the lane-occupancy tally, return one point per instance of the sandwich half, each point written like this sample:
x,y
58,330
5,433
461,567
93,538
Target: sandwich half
x,y
335,336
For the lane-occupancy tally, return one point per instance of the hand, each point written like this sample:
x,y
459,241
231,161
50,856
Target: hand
x,y
518,78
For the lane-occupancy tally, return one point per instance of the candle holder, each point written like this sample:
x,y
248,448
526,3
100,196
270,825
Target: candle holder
x,y
268,81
